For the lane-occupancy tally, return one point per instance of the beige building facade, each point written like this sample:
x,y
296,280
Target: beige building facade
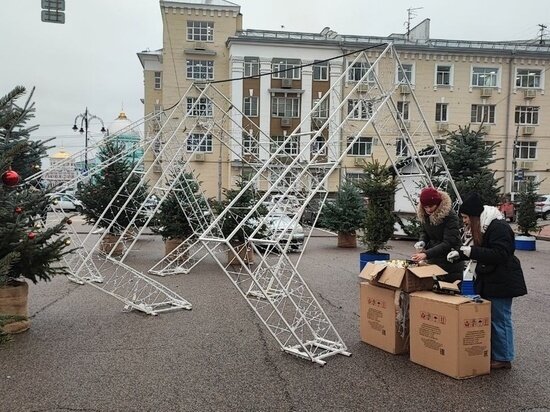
x,y
276,77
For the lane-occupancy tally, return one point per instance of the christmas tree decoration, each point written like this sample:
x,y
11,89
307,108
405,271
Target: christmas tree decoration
x,y
31,235
10,178
69,222
18,210
68,241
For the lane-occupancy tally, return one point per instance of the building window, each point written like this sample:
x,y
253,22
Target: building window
x,y
520,185
355,177
318,146
405,72
361,147
483,113
484,77
251,146
401,149
200,69
443,75
286,69
251,66
360,109
403,109
525,150
358,70
201,108
199,142
441,112
320,71
158,80
528,78
285,106
200,31
527,115
250,106
290,147
322,111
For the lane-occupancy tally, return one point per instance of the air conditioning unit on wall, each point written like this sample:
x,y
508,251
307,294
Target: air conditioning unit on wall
x,y
286,122
286,83
486,92
198,157
528,130
362,87
442,127
529,93
526,165
404,89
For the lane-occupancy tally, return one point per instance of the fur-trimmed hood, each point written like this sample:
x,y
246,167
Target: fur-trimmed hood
x,y
440,213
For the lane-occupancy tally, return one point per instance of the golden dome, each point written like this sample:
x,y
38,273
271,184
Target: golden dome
x,y
62,154
122,116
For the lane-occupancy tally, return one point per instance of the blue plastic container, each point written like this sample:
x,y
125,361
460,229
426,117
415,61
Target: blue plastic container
x,y
526,243
467,287
366,257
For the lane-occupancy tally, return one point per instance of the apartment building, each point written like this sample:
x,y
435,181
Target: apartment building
x,y
275,78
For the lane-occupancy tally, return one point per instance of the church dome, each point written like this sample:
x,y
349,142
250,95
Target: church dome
x,y
62,154
122,123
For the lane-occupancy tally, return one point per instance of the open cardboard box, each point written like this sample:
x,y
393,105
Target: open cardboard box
x,y
409,279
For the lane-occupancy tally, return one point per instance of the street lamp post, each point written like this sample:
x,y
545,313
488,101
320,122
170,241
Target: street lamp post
x,y
85,119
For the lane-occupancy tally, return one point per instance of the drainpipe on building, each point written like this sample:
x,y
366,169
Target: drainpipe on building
x,y
509,176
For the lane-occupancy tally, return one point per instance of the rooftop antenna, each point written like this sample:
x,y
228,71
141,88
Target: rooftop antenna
x,y
411,14
542,27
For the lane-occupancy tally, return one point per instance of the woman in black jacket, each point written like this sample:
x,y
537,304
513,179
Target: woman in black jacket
x,y
499,277
440,232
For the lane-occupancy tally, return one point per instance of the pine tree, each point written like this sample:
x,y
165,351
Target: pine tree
x,y
347,212
175,217
379,186
527,218
102,188
28,249
468,157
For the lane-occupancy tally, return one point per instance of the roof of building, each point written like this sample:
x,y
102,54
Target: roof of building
x,y
222,3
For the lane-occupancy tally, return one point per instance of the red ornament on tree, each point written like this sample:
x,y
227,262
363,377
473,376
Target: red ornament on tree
x,y
32,235
10,178
18,210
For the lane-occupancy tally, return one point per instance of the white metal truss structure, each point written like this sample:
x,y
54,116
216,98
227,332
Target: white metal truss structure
x,y
272,285
101,270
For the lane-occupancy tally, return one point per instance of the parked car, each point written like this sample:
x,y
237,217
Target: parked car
x,y
281,226
64,202
542,206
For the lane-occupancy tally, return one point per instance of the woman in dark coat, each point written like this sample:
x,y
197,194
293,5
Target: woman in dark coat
x,y
440,232
499,277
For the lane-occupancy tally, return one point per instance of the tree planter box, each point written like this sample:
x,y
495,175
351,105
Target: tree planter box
x,y
347,240
13,301
245,253
108,244
526,243
170,246
366,257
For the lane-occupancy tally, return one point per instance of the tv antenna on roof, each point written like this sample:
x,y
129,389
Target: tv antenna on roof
x,y
411,14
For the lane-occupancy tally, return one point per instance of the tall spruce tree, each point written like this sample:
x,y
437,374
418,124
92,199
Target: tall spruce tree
x,y
347,213
28,248
102,188
527,217
468,157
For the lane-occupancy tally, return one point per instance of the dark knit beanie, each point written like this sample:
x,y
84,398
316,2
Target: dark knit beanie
x,y
471,205
429,197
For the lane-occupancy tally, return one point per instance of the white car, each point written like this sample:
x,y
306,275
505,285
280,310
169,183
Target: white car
x,y
281,227
542,206
64,202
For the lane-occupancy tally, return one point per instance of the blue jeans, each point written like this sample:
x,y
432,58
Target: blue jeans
x,y
502,330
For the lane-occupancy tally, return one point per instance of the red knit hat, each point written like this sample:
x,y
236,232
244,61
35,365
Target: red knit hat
x,y
429,197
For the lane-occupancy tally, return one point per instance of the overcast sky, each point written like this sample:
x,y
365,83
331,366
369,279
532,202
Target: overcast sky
x,y
90,61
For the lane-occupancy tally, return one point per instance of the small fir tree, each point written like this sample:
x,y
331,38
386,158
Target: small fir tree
x,y
28,249
237,213
379,185
468,157
526,216
102,188
347,213
182,206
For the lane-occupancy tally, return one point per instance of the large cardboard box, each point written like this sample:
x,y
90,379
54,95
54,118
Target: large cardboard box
x,y
450,334
384,318
409,279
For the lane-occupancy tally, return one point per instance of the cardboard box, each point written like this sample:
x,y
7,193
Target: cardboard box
x,y
450,334
409,279
380,322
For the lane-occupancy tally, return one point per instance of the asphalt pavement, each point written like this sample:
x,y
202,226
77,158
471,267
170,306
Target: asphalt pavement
x,y
84,353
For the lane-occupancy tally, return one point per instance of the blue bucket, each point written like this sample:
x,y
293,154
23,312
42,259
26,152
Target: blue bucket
x,y
366,257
